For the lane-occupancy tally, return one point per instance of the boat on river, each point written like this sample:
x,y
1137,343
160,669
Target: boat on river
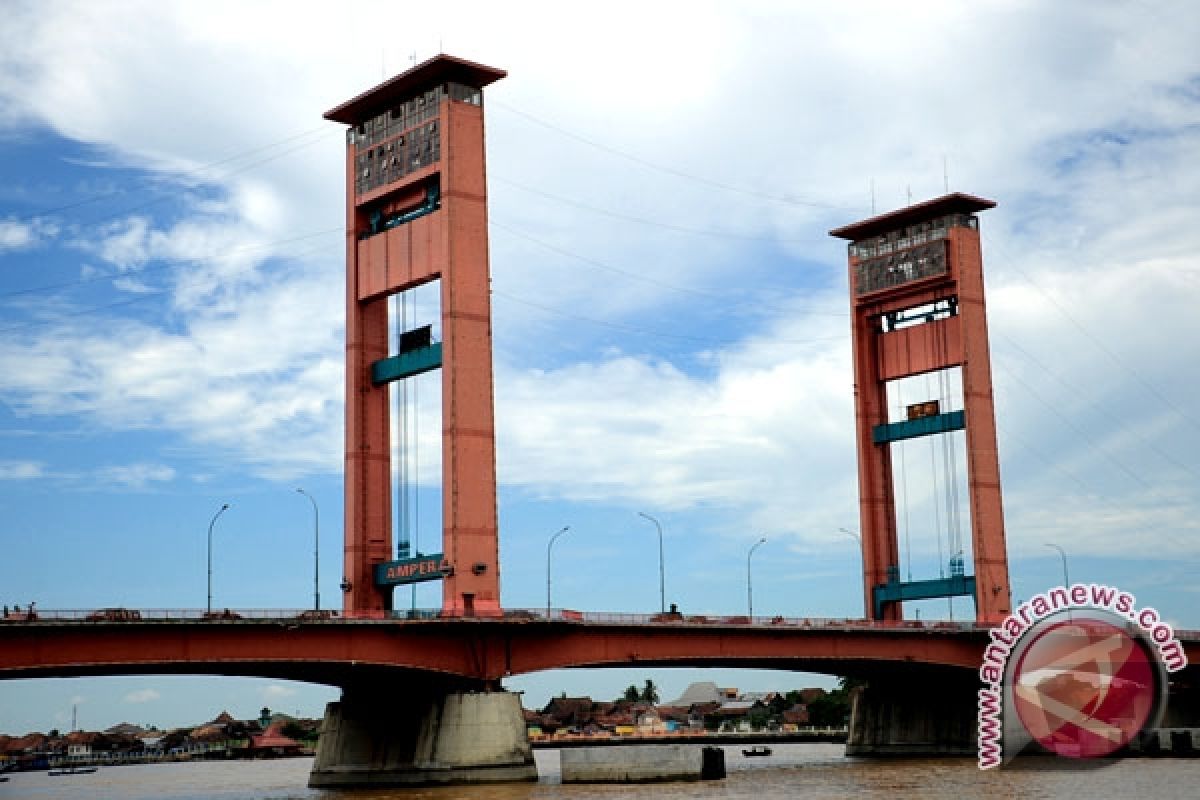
x,y
72,771
757,750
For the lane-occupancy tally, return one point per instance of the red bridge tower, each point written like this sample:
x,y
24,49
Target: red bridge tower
x,y
916,283
416,212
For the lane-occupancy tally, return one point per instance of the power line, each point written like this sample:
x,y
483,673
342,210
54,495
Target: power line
x,y
147,295
1147,385
641,220
196,259
212,179
1079,393
671,170
1101,496
643,331
86,311
1066,421
725,298
195,172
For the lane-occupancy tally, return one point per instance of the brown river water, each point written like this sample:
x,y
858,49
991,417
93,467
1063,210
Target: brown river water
x,y
793,770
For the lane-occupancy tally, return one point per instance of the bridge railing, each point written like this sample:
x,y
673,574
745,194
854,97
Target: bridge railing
x,y
561,615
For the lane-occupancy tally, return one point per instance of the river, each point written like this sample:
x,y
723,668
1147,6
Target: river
x,y
792,771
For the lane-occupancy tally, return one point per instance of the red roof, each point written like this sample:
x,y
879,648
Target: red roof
x,y
272,737
955,202
425,75
263,740
28,742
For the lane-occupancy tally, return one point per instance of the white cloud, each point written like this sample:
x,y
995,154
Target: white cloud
x,y
136,476
277,691
126,246
132,286
20,470
143,696
14,235
1085,140
21,235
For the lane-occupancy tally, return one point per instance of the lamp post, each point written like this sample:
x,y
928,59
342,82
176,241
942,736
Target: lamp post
x,y
662,585
212,522
1062,554
861,556
550,544
316,551
1066,578
749,585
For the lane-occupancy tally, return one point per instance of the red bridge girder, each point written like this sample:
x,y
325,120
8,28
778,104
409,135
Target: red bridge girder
x,y
333,651
338,651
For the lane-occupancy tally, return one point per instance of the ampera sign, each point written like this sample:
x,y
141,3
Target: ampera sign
x,y
432,567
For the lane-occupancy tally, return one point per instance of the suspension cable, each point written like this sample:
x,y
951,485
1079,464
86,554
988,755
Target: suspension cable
x,y
904,485
401,394
937,514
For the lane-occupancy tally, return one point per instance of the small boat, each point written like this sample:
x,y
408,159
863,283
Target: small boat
x,y
757,750
73,771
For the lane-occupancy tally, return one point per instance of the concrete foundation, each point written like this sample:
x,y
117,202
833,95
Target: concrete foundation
x,y
641,763
914,716
1167,742
371,738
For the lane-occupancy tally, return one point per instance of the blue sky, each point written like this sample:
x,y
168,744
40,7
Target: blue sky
x,y
670,317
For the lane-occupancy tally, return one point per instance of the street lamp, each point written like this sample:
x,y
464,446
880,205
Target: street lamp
x,y
1063,555
212,522
550,544
1066,578
749,585
662,586
858,539
316,551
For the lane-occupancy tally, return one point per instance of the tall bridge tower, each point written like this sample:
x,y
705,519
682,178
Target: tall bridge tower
x,y
916,284
416,212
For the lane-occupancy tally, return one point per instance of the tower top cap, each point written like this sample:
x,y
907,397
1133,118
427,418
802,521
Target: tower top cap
x,y
439,69
953,203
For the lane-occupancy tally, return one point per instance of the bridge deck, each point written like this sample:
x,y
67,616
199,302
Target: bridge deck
x,y
335,649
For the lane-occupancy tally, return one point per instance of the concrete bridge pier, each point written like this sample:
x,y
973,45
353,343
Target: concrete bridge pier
x,y
915,712
413,733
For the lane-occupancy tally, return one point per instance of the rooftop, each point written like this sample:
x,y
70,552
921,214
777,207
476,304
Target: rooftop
x,y
953,203
426,75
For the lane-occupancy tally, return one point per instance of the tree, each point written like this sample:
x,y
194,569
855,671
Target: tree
x,y
846,683
632,694
294,730
649,693
833,708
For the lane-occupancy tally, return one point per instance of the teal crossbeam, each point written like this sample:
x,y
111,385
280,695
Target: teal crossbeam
x,y
405,365
921,426
895,591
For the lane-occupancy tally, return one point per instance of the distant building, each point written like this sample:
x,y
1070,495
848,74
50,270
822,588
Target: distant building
x,y
126,729
766,698
272,742
703,692
797,715
81,745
